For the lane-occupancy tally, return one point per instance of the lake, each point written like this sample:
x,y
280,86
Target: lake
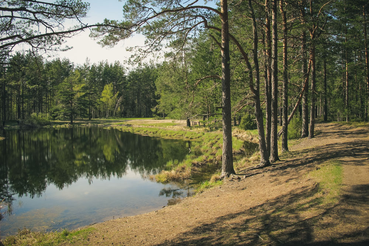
x,y
67,178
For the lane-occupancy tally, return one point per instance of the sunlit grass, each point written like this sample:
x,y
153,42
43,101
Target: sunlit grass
x,y
26,237
353,123
329,176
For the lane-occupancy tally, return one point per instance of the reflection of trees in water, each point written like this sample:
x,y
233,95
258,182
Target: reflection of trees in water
x,y
31,160
169,192
175,194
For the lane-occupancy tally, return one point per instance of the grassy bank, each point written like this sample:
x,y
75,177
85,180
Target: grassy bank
x,y
205,151
297,200
26,237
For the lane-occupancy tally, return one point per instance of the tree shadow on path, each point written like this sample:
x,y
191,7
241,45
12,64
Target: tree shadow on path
x,y
299,217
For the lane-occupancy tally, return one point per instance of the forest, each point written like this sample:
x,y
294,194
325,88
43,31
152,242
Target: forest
x,y
273,61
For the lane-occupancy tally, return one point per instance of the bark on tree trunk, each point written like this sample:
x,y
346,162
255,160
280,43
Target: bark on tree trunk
x,y
285,81
305,109
347,106
227,158
264,157
325,91
313,78
274,128
366,52
4,100
267,76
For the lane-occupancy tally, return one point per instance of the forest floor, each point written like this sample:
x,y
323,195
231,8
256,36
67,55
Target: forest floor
x,y
317,194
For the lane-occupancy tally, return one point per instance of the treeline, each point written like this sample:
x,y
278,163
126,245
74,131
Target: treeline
x,y
322,56
274,59
279,58
60,90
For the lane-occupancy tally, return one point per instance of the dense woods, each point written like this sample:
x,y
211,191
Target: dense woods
x,y
280,61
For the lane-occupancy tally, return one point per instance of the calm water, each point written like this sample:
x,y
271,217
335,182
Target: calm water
x,y
68,178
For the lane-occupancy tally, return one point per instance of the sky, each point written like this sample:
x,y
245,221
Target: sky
x,y
85,47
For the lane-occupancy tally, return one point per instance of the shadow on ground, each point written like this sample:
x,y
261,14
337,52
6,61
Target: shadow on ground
x,y
300,217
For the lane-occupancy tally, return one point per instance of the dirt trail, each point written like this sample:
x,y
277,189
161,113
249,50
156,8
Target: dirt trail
x,y
278,205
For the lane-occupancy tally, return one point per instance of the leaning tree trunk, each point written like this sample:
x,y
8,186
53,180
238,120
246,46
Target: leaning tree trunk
x,y
227,158
274,129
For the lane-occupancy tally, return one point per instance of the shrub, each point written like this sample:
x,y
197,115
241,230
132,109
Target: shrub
x,y
248,122
38,119
294,128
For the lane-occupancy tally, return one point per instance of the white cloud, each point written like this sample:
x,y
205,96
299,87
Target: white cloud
x,y
85,47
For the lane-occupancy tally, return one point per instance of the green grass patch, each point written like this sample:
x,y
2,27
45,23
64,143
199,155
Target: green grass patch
x,y
26,237
353,123
208,184
165,124
329,175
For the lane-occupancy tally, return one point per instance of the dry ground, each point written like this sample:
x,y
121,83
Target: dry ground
x,y
278,205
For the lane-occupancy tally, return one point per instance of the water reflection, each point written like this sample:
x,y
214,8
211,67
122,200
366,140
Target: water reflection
x,y
69,173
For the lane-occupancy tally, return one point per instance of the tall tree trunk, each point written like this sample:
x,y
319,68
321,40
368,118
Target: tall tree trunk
x,y
274,128
285,81
305,109
347,107
264,155
325,107
267,75
227,158
366,53
4,100
312,103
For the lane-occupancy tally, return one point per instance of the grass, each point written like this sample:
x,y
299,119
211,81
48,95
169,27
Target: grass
x,y
26,237
206,149
208,184
329,175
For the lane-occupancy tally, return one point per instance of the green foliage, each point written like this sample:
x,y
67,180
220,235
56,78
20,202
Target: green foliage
x,y
38,119
294,128
71,95
108,99
248,122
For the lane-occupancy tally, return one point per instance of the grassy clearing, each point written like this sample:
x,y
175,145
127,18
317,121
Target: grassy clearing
x,y
26,237
329,176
